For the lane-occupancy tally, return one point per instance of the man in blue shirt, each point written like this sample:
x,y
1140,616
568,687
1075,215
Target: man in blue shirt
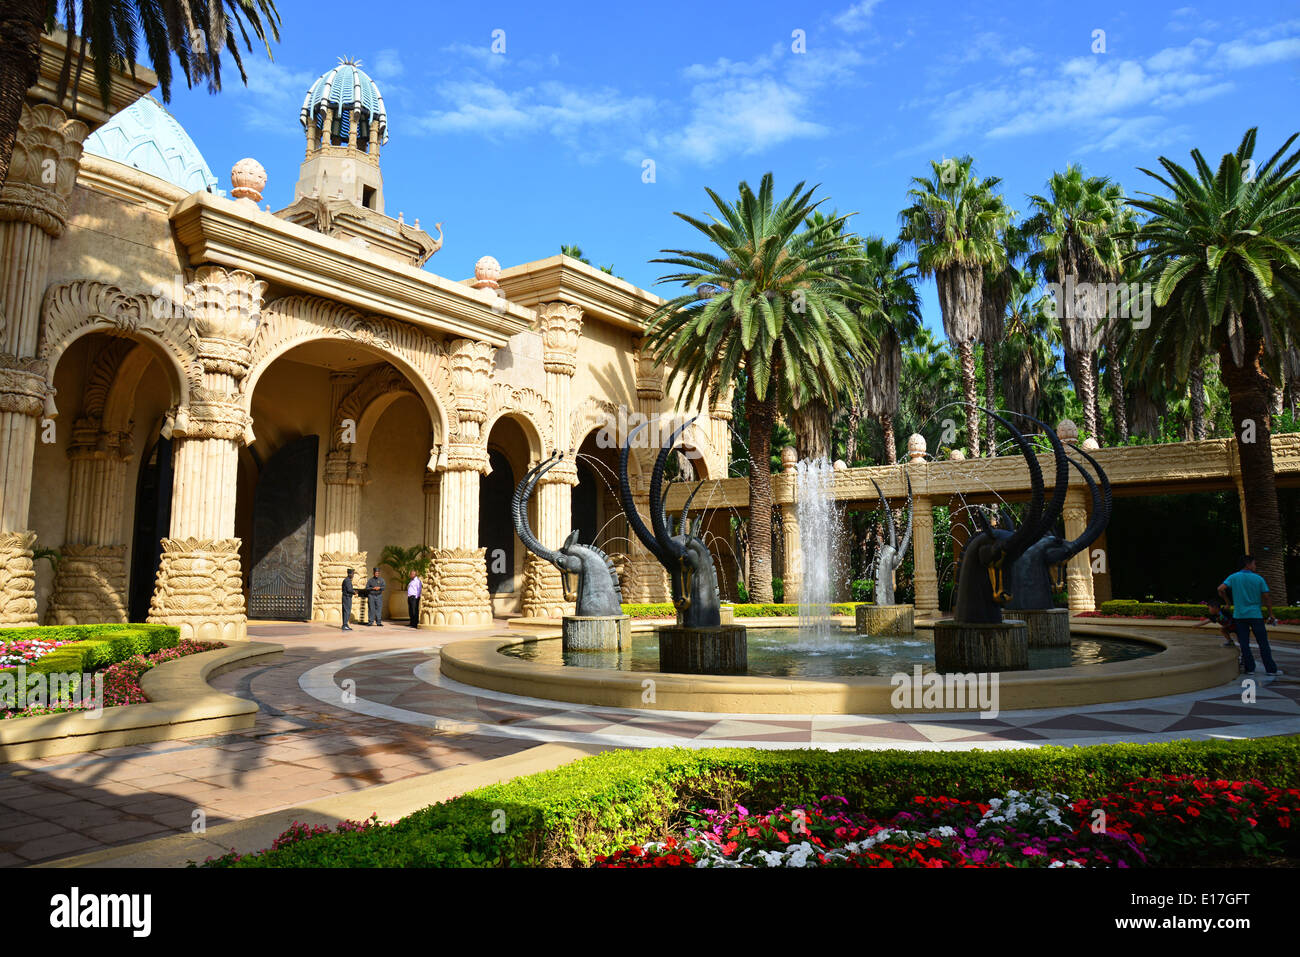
x,y
1248,589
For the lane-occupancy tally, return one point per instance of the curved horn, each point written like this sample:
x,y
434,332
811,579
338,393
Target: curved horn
x,y
519,508
907,532
1101,505
684,520
889,516
1007,519
1026,533
634,519
660,524
1053,510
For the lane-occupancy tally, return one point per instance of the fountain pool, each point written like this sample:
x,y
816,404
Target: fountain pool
x,y
794,653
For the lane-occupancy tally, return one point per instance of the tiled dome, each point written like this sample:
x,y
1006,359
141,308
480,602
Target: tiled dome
x,y
348,88
148,138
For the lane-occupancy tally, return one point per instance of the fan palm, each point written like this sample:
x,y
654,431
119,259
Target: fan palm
x,y
1075,226
109,31
1223,249
953,224
1026,357
999,280
774,306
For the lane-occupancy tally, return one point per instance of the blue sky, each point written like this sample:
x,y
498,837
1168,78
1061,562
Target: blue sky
x,y
546,143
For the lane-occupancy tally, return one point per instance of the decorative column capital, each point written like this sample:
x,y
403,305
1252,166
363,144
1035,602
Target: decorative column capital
x,y
560,324
720,400
212,415
24,389
43,170
462,457
649,377
225,306
341,470
471,373
564,472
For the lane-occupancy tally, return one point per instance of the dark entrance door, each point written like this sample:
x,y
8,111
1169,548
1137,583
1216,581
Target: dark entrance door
x,y
582,504
153,516
496,530
284,525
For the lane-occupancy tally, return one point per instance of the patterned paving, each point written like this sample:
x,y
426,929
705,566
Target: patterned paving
x,y
406,687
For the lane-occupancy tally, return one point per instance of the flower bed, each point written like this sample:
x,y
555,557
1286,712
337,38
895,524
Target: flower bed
x,y
611,801
121,681
1167,821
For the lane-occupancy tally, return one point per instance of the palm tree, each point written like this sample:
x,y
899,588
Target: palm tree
x,y
999,280
776,309
1223,249
932,377
194,31
1075,225
1026,357
895,316
953,224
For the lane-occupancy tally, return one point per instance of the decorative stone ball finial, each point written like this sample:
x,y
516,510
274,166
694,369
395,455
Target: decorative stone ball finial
x,y
916,447
486,272
957,455
1067,431
247,180
840,465
1090,444
789,459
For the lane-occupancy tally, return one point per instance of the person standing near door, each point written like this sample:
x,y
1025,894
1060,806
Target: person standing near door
x,y
1249,591
375,592
348,591
413,590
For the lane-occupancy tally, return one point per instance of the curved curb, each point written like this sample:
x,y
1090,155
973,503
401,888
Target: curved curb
x,y
181,704
1178,668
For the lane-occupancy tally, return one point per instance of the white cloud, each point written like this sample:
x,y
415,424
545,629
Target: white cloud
x,y
741,118
276,93
1240,54
388,65
857,17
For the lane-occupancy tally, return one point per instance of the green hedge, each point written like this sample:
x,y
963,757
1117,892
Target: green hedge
x,y
569,815
94,646
1126,607
665,609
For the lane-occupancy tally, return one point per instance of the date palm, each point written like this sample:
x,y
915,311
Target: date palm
x,y
1223,249
1076,226
109,33
893,317
765,299
953,223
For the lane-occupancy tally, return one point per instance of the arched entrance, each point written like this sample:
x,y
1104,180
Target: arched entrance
x,y
496,531
153,509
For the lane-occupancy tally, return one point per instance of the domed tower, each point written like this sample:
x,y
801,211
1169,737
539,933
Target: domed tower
x,y
340,190
345,122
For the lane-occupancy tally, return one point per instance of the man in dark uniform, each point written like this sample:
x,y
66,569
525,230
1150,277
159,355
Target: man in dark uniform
x,y
348,592
375,591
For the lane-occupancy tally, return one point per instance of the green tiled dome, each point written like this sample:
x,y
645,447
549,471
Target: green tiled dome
x,y
145,136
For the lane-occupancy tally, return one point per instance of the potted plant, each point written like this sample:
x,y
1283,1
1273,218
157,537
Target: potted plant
x,y
402,561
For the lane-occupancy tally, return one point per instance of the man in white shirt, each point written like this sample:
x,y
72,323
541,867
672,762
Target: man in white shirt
x,y
413,590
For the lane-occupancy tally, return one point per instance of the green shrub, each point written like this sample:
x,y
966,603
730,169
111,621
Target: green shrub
x,y
1130,607
93,646
569,815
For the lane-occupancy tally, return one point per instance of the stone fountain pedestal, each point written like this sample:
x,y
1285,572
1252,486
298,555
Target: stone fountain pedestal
x,y
885,621
596,632
720,650
965,647
1048,627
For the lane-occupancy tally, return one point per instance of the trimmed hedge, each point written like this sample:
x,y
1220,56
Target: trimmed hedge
x,y
1125,607
94,646
567,816
665,609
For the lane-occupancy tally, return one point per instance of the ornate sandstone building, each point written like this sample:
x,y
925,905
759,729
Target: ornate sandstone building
x,y
210,411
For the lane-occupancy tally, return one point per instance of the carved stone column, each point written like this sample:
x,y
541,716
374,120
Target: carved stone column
x,y
792,555
200,586
33,213
649,384
90,584
432,485
647,579
344,480
456,591
720,416
543,590
927,582
1078,573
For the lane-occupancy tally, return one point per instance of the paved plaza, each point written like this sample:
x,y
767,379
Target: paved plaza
x,y
343,712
